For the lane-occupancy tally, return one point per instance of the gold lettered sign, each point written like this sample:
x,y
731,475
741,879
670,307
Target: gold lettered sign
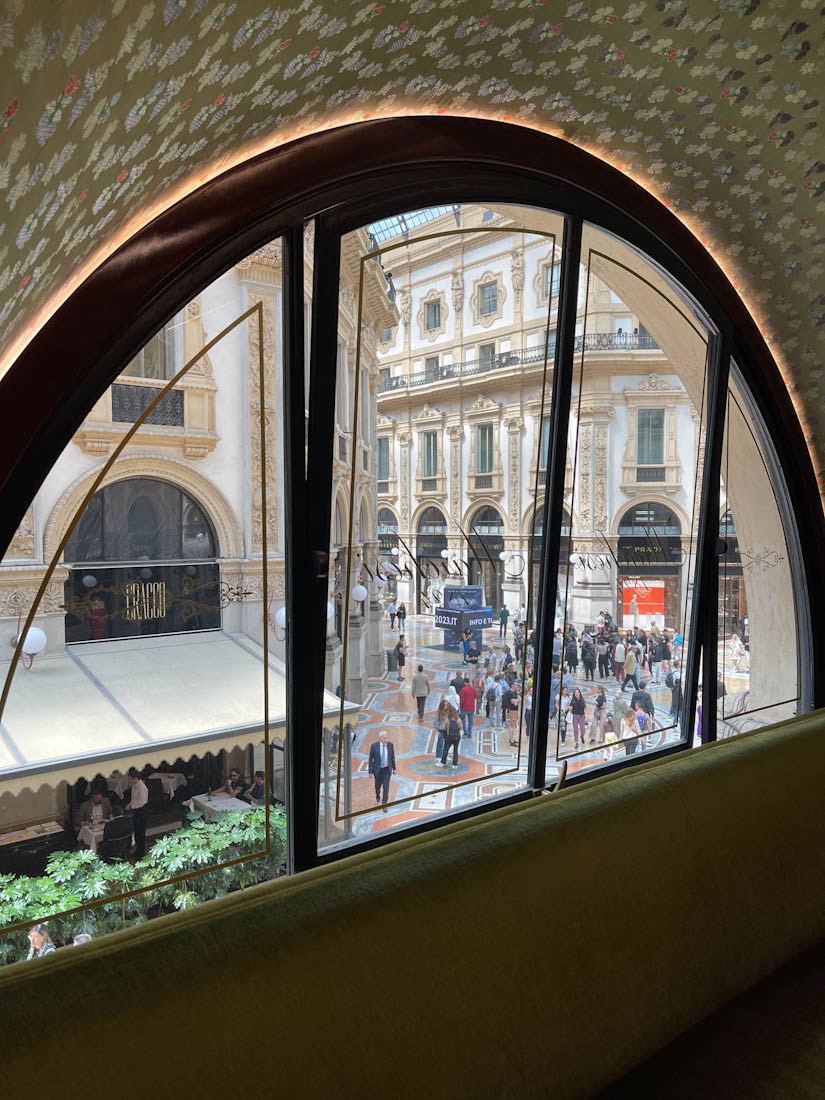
x,y
145,600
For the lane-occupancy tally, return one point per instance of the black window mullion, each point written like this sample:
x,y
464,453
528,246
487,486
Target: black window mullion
x,y
295,762
554,494
307,618
704,627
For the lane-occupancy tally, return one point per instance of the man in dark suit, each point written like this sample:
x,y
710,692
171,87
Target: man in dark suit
x,y
118,828
382,766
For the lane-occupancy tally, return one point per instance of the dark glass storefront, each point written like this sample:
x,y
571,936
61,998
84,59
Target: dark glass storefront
x,y
135,568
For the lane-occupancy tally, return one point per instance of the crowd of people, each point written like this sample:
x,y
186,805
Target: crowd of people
x,y
494,687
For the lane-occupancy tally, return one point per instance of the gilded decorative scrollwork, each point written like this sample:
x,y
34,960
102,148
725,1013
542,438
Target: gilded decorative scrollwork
x,y
256,466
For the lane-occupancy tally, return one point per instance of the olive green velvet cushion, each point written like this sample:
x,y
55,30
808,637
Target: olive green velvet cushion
x,y
540,950
767,1044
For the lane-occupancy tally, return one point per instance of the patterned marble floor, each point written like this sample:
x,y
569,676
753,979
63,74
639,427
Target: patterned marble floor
x,y
487,766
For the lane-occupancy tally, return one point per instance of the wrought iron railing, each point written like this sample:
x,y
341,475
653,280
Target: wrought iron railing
x,y
593,341
128,402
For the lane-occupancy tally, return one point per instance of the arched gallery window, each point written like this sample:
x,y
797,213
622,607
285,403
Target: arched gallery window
x,y
143,559
651,412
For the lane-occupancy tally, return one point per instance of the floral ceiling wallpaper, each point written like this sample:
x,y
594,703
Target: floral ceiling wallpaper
x,y
106,105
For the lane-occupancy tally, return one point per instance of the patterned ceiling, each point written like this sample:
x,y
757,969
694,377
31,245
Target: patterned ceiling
x,y
109,107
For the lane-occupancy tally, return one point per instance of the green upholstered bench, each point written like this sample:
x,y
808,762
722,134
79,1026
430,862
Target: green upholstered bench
x,y
540,950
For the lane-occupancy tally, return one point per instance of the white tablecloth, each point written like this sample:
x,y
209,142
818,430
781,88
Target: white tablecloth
x,y
90,838
221,803
118,783
170,780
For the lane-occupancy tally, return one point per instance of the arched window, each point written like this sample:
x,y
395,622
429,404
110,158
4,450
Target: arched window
x,y
432,522
487,521
654,384
143,563
141,519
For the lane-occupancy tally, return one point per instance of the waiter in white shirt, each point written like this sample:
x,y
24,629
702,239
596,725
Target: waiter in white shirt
x,y
138,800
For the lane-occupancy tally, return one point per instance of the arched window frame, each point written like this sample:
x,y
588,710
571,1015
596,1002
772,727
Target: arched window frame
x,y
395,163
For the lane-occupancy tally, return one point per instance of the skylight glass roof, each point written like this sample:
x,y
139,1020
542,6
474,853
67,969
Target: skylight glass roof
x,y
401,225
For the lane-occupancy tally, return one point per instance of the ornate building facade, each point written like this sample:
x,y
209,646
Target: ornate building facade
x,y
462,429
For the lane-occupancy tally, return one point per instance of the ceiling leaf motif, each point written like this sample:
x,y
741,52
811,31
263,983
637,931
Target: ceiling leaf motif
x,y
713,105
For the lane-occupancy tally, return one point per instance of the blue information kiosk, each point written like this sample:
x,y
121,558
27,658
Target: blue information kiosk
x,y
463,608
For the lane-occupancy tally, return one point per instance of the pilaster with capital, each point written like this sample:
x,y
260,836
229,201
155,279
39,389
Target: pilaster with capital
x,y
456,434
457,288
514,422
260,465
405,439
585,477
405,308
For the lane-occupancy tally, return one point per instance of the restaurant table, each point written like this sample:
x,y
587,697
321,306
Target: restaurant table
x,y
221,803
89,837
170,780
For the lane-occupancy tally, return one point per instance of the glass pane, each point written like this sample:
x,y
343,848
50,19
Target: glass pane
x,y
153,633
758,632
436,553
626,580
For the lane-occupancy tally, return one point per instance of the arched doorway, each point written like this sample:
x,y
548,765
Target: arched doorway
x,y
142,561
430,540
486,536
649,574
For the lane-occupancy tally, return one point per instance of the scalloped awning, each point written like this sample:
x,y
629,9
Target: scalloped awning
x,y
97,706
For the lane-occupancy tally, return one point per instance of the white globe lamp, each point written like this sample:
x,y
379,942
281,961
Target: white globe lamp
x,y
34,641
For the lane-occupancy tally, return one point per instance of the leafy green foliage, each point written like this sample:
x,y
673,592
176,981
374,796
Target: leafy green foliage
x,y
73,879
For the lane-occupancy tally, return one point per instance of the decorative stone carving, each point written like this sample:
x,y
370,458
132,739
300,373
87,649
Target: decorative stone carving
x,y
514,424
19,588
404,439
405,305
256,400
600,468
517,271
484,404
585,477
457,287
653,383
265,265
22,545
456,434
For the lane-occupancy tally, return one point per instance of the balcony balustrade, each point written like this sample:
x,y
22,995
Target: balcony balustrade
x,y
593,341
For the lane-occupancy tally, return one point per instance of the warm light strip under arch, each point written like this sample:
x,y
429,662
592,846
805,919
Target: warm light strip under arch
x,y
253,148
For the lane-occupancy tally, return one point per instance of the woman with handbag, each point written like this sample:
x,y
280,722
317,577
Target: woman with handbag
x,y
453,737
440,727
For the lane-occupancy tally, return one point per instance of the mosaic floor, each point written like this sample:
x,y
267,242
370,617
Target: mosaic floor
x,y
487,766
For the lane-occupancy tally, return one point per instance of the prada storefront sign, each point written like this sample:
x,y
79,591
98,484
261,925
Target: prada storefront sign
x,y
658,555
133,601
